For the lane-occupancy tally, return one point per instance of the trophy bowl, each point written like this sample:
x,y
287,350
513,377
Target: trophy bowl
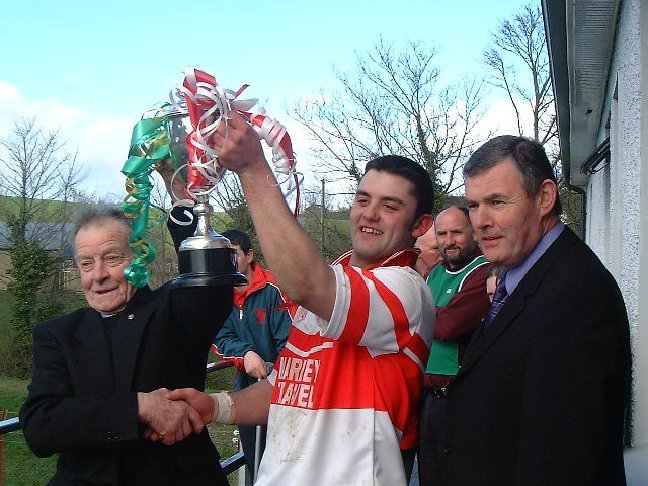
x,y
206,258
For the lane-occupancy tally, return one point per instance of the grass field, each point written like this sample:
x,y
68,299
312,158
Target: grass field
x,y
21,468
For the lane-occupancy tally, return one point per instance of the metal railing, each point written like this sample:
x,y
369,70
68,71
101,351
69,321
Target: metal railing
x,y
229,464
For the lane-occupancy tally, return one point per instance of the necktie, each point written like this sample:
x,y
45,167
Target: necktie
x,y
499,297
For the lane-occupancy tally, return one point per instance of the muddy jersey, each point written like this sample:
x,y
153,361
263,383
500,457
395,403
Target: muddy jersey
x,y
345,391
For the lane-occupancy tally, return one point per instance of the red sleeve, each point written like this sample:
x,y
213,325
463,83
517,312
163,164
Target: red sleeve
x,y
466,309
235,360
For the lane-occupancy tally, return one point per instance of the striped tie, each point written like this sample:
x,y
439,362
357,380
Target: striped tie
x,y
499,297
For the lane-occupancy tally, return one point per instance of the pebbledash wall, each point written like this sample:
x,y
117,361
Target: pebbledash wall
x,y
617,195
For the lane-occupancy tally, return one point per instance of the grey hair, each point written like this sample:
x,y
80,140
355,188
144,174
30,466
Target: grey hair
x,y
97,214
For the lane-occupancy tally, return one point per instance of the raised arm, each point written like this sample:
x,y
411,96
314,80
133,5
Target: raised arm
x,y
293,259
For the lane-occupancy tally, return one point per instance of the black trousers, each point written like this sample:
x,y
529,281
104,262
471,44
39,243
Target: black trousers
x,y
408,462
432,438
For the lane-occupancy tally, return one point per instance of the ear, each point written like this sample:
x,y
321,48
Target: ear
x,y
547,196
130,292
250,255
421,225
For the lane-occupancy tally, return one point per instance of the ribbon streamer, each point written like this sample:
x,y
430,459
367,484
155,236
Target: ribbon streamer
x,y
207,105
149,146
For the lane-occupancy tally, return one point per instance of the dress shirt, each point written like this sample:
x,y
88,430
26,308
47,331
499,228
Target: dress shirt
x,y
515,274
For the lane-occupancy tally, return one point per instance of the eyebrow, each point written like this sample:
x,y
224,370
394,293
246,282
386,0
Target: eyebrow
x,y
494,195
108,250
382,198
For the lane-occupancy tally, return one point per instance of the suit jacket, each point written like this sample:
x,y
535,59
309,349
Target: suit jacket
x,y
540,396
82,400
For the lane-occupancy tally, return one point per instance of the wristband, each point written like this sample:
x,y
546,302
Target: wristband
x,y
226,409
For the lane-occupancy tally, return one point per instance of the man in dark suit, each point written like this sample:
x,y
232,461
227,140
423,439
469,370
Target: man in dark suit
x,y
541,393
93,397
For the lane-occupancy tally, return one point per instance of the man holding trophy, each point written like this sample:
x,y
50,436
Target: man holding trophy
x,y
101,373
341,401
92,397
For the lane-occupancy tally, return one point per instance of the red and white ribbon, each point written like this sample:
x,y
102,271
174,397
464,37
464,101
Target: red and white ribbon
x,y
208,105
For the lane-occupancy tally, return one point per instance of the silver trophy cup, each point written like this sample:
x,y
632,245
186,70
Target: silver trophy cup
x,y
206,258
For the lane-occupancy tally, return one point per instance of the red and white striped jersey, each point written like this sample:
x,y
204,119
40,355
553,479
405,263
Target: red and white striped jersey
x,y
346,391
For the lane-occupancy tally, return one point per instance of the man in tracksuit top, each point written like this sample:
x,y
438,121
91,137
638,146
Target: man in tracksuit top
x,y
458,286
255,331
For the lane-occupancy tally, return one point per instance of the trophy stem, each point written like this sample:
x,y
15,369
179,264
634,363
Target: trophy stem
x,y
203,212
207,258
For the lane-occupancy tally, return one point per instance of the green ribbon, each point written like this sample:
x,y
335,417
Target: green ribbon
x,y
149,146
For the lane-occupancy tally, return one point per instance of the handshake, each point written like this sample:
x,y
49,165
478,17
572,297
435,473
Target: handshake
x,y
170,416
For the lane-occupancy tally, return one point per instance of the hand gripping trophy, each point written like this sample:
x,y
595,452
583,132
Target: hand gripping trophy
x,y
180,131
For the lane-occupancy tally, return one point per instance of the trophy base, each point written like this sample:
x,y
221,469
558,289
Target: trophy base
x,y
205,280
210,267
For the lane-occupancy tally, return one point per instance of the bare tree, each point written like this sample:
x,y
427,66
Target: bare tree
x,y
519,65
39,180
392,102
328,228
39,177
315,215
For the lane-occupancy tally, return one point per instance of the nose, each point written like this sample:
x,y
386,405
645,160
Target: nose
x,y
99,271
371,212
479,217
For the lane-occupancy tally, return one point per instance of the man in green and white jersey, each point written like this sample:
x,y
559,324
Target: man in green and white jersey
x,y
458,286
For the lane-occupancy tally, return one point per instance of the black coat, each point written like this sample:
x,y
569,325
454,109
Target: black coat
x,y
84,408
540,396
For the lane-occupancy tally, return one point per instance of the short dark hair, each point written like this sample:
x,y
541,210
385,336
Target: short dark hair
x,y
240,238
95,214
413,172
527,154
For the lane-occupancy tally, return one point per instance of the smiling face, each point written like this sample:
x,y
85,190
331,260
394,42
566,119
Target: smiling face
x,y
382,218
455,237
102,254
507,221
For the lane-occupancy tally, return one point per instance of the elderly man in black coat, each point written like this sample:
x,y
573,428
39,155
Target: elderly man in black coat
x,y
93,397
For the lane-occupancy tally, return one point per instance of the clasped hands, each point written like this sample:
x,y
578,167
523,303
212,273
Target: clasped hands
x,y
170,416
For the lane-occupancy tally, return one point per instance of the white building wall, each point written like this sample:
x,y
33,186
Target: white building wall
x,y
640,338
617,193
